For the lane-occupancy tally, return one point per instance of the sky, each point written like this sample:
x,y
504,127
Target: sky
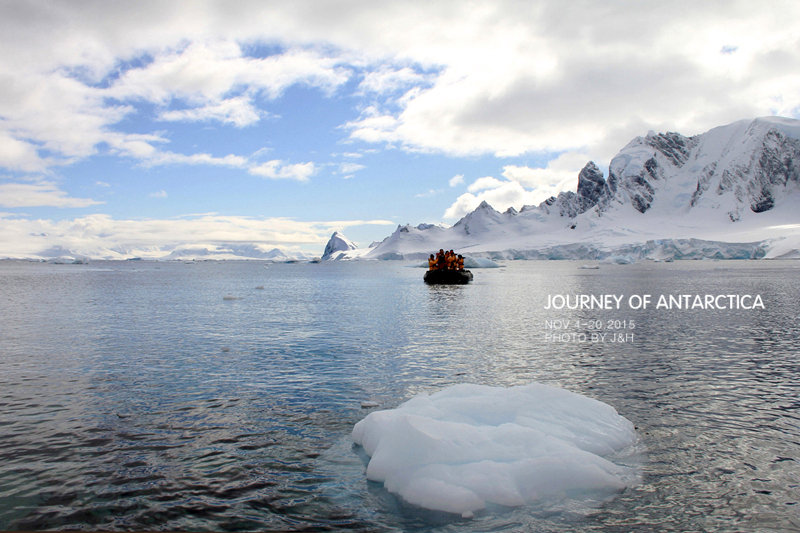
x,y
140,126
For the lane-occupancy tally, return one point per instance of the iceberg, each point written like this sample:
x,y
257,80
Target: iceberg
x,y
470,446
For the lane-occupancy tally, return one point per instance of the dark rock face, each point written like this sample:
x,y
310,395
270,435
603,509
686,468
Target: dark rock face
x,y
703,182
777,165
592,190
591,186
674,146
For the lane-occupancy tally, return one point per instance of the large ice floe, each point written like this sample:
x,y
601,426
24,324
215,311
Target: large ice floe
x,y
471,446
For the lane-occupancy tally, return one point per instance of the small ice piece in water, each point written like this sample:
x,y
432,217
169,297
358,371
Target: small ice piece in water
x,y
366,404
471,445
590,267
260,288
225,349
229,297
479,262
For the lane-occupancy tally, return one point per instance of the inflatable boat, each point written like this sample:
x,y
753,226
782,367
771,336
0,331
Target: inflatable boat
x,y
447,277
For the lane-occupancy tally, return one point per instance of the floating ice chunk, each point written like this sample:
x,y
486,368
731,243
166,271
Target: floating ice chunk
x,y
366,404
260,288
229,297
590,267
479,262
471,445
68,260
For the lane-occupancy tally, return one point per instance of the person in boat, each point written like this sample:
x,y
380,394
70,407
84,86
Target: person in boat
x,y
441,260
431,263
460,263
453,260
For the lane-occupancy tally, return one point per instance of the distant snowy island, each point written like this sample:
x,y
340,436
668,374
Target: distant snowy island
x,y
729,193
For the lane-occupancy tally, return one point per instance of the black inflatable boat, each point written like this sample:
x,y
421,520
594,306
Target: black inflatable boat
x,y
447,277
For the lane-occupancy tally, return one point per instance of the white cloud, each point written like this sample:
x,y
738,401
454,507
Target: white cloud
x,y
565,167
159,194
347,168
524,186
277,169
39,194
500,77
537,77
508,194
170,158
487,182
389,80
238,111
102,184
205,71
456,180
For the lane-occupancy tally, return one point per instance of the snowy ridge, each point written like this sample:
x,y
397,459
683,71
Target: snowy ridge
x,y
730,193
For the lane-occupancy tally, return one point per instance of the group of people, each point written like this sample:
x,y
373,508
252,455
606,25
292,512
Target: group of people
x,y
445,261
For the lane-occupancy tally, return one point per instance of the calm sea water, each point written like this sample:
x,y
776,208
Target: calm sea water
x,y
134,396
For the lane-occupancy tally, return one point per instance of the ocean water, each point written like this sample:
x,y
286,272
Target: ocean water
x,y
135,396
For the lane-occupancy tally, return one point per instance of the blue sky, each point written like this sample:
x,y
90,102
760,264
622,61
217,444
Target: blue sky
x,y
132,128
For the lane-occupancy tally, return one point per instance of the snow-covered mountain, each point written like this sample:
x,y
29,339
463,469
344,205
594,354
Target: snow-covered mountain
x,y
731,192
337,245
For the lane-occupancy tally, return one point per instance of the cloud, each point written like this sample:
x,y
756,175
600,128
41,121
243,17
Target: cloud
x,y
519,78
238,111
348,168
277,169
39,194
488,182
523,186
560,174
456,180
205,73
54,114
389,80
507,194
159,194
459,78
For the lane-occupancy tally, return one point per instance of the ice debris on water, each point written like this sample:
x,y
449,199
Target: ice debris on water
x,y
366,404
469,446
229,297
260,288
590,267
